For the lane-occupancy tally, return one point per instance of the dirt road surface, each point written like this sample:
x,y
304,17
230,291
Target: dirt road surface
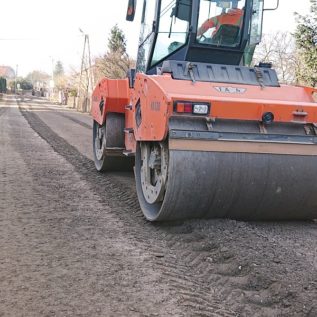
x,y
74,243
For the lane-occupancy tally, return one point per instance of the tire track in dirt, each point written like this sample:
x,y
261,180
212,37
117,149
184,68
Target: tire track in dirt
x,y
7,101
207,304
64,115
55,245
201,271
2,110
4,102
60,113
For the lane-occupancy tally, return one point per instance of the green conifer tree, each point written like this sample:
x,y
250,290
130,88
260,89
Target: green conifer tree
x,y
306,41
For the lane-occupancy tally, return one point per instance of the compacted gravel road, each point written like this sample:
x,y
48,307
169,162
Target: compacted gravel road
x,y
74,243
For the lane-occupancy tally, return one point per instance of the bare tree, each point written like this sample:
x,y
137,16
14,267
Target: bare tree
x,y
280,49
116,62
113,65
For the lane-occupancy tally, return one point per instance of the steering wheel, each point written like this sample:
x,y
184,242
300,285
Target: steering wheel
x,y
205,40
202,38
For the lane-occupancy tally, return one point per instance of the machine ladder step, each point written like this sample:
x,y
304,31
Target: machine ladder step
x,y
128,153
128,130
114,151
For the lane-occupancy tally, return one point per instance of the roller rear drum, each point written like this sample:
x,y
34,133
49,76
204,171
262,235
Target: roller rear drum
x,y
243,186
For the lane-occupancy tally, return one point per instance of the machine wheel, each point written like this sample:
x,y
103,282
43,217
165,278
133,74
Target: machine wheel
x,y
151,173
107,136
98,146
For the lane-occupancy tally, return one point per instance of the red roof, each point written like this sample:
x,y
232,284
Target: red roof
x,y
7,72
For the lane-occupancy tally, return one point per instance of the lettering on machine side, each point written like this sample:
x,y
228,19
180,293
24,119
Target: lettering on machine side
x,y
231,90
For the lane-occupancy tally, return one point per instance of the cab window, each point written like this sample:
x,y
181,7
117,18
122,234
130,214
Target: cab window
x,y
173,28
220,23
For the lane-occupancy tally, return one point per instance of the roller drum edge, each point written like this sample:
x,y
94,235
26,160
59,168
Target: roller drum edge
x,y
242,186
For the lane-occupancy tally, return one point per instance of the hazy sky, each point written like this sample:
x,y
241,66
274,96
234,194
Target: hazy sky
x,y
35,32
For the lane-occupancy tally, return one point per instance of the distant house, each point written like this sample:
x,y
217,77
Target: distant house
x,y
7,72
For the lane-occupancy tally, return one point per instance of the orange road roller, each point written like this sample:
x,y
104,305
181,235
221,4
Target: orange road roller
x,y
208,135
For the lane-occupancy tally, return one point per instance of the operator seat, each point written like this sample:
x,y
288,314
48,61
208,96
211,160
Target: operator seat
x,y
227,34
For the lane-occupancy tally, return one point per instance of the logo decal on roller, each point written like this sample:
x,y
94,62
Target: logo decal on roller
x,y
231,90
155,106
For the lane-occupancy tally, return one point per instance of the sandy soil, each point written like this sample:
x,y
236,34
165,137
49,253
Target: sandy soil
x,y
74,242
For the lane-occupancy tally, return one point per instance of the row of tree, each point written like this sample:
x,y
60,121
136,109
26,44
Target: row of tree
x,y
306,41
39,78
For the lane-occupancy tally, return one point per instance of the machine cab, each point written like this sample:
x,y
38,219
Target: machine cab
x,y
208,31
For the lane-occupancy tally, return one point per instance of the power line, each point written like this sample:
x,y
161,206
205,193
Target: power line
x,y
47,38
18,39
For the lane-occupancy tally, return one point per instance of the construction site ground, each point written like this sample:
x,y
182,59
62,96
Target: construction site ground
x,y
73,242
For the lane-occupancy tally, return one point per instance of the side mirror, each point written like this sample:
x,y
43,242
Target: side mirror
x,y
272,9
182,10
131,10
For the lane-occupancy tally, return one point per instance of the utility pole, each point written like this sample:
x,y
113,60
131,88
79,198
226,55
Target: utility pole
x,y
52,84
16,78
88,79
90,70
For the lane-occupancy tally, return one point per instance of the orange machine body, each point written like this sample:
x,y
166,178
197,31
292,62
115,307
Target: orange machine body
x,y
110,95
150,104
